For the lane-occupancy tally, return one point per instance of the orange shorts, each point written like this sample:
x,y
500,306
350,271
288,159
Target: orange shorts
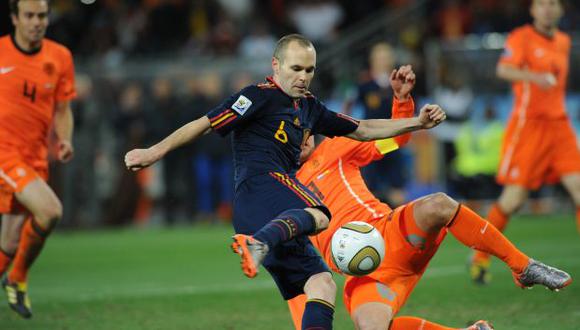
x,y
536,152
403,266
15,174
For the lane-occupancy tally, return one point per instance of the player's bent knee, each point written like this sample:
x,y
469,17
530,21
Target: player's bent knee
x,y
321,286
435,211
320,218
50,215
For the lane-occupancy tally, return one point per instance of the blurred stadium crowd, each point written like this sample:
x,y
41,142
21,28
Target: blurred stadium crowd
x,y
130,95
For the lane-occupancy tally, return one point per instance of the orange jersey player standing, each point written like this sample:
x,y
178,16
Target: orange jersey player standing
x,y
36,85
412,232
539,146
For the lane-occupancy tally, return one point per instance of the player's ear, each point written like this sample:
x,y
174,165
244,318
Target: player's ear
x,y
14,19
275,65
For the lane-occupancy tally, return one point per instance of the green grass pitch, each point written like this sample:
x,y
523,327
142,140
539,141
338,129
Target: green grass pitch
x,y
187,278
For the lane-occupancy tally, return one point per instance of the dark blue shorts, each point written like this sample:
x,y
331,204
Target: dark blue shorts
x,y
259,200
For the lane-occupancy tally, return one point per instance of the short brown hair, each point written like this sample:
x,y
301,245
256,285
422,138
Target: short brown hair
x,y
14,6
286,40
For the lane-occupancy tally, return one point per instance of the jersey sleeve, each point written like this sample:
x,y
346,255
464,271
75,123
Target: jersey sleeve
x,y
514,50
330,123
352,151
236,110
65,90
402,109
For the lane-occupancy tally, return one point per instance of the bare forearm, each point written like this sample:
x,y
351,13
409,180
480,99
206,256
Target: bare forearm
x,y
186,134
374,129
63,122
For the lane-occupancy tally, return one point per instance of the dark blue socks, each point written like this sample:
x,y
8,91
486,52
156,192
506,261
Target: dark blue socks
x,y
286,226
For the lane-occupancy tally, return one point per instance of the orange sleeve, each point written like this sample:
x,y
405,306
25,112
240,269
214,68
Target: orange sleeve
x,y
403,109
353,151
514,50
66,84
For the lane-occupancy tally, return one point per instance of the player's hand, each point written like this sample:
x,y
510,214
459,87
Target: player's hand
x,y
431,115
544,80
65,151
403,81
138,159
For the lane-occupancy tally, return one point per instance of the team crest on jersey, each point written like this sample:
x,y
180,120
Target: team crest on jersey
x,y
297,122
48,68
242,105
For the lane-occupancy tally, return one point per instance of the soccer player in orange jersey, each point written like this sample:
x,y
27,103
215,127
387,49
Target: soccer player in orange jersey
x,y
412,232
36,86
539,145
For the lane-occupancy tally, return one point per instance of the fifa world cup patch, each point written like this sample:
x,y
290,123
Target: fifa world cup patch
x,y
242,105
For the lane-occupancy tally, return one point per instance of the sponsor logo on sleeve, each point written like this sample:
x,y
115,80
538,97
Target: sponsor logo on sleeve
x,y
242,105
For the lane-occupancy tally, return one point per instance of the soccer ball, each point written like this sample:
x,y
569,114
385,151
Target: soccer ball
x,y
357,248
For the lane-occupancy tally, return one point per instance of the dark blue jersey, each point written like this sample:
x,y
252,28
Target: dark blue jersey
x,y
376,100
269,128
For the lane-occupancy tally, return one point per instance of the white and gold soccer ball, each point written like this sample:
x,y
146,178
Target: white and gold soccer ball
x,y
357,248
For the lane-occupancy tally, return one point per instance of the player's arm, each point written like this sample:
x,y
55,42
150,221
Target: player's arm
x,y
430,116
137,159
512,63
63,128
402,82
63,122
235,111
514,74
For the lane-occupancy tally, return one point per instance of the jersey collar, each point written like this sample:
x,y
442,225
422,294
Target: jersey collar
x,y
23,51
271,80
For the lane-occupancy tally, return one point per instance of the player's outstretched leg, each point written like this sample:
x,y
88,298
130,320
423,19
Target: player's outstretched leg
x,y
286,226
41,201
251,251
539,273
473,231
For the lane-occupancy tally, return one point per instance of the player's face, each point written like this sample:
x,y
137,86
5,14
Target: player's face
x,y
382,60
32,20
307,149
295,70
546,13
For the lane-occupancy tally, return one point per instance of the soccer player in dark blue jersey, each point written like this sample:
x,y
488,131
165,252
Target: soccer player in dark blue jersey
x,y
273,212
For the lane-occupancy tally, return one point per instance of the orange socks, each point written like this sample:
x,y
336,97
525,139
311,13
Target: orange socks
x,y
497,218
415,323
5,260
474,232
32,240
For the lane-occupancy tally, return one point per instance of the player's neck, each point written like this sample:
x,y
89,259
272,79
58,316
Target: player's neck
x,y
545,30
26,46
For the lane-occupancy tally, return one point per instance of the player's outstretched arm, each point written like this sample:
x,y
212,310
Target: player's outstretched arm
x,y
137,159
430,116
511,73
